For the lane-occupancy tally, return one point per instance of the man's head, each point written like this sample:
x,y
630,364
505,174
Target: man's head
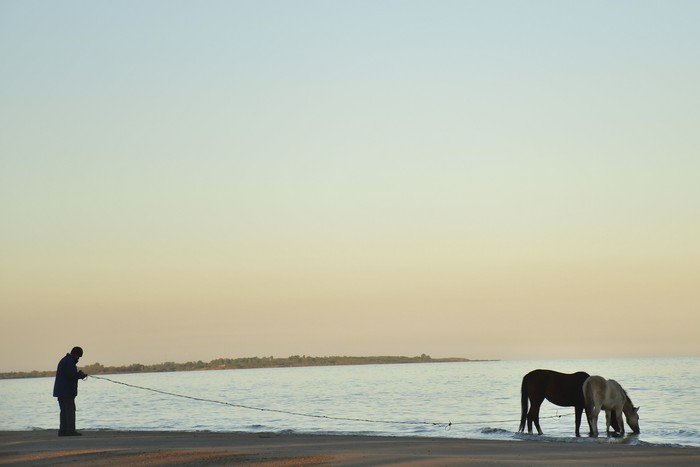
x,y
77,352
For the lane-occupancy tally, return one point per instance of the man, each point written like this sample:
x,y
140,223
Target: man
x,y
65,388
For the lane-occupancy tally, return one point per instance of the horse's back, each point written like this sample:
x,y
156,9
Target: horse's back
x,y
616,393
578,378
604,393
595,382
543,375
615,386
564,389
594,388
536,378
537,374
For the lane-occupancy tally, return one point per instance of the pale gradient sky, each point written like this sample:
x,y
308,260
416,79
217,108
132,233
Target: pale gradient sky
x,y
193,180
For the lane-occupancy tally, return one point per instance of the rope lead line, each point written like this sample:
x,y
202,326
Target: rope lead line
x,y
300,414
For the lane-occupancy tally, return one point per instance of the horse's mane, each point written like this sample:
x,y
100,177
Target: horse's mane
x,y
627,397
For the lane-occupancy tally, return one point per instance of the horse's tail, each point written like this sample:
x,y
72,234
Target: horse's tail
x,y
589,400
523,404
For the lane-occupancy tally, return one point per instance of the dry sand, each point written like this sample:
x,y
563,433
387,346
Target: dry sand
x,y
112,448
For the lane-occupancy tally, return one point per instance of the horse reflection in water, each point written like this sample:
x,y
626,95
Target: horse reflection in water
x,y
562,389
607,394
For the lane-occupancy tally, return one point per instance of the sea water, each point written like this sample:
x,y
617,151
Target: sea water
x,y
458,400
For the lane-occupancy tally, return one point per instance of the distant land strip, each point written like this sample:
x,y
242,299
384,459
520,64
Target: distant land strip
x,y
242,363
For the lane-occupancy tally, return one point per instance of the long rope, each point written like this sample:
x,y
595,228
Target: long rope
x,y
445,425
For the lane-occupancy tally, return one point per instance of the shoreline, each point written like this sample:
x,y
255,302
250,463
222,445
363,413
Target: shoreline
x,y
244,363
177,448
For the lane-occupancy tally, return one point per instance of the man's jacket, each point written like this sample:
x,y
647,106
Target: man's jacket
x,y
67,376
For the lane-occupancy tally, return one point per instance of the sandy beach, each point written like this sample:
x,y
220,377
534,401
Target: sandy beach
x,y
111,448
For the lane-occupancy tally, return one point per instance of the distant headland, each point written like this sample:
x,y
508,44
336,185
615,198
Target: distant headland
x,y
242,363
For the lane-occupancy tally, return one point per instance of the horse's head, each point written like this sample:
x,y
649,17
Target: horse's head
x,y
631,414
633,420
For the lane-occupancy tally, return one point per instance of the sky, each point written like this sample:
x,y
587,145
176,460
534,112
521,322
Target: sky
x,y
187,181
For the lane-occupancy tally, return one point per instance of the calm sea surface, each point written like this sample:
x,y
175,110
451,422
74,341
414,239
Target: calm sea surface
x,y
479,399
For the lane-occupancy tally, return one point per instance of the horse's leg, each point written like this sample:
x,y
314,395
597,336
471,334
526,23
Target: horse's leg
x,y
613,422
590,407
589,413
534,416
608,420
594,421
530,419
579,411
620,421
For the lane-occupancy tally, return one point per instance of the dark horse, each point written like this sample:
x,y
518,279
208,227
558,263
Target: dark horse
x,y
558,388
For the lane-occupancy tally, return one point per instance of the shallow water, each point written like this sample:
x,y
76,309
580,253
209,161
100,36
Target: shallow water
x,y
462,400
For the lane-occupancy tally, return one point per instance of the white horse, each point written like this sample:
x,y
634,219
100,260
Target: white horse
x,y
601,394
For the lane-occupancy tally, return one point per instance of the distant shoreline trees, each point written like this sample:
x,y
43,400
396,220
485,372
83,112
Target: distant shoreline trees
x,y
240,364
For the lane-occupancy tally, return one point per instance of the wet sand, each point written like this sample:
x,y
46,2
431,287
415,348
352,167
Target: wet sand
x,y
147,448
